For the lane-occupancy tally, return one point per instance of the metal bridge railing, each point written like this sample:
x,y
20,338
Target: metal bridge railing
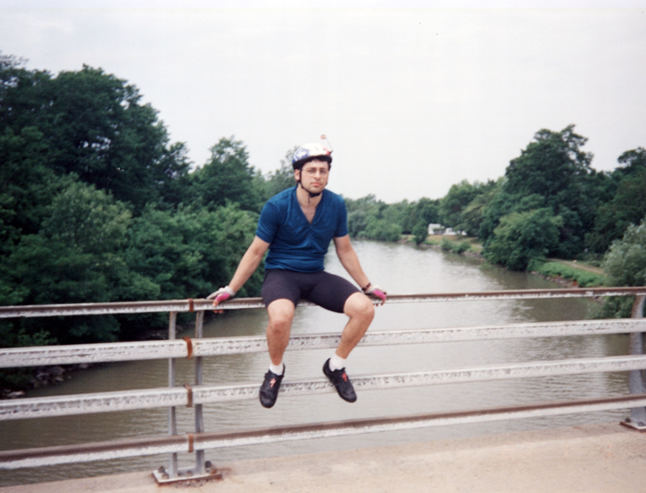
x,y
198,394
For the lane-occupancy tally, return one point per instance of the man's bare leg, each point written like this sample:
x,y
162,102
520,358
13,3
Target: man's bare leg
x,y
281,314
361,312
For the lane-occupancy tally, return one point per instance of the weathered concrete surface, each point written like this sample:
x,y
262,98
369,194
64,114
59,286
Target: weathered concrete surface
x,y
591,458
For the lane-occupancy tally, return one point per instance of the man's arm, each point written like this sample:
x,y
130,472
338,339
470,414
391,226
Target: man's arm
x,y
350,260
249,263
247,266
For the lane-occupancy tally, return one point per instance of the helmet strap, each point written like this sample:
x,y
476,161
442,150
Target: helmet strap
x,y
311,194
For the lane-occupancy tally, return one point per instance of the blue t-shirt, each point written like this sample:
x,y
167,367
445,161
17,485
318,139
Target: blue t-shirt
x,y
294,243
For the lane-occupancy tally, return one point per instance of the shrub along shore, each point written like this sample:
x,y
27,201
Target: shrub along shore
x,y
566,272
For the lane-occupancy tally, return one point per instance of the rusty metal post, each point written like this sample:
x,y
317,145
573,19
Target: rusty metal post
x,y
199,417
202,469
172,411
637,378
161,474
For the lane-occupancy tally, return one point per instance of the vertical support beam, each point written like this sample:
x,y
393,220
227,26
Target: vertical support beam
x,y
199,418
172,411
161,475
203,469
636,379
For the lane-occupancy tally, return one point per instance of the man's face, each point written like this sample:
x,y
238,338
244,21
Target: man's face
x,y
313,175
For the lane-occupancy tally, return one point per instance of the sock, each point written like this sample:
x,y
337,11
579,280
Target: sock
x,y
337,362
277,369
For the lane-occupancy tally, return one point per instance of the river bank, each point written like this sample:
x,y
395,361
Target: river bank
x,y
569,273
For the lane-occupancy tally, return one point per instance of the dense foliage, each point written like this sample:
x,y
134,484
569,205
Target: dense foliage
x,y
373,219
96,204
625,265
550,203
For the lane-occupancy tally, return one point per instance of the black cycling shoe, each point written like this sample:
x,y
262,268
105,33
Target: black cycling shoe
x,y
269,388
341,382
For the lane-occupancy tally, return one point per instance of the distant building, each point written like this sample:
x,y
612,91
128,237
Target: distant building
x,y
436,229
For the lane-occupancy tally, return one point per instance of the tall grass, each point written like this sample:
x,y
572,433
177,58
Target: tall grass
x,y
582,277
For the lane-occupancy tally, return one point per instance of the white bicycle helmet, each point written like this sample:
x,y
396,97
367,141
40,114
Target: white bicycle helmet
x,y
310,151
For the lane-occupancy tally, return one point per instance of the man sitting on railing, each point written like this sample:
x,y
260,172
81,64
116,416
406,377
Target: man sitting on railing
x,y
296,226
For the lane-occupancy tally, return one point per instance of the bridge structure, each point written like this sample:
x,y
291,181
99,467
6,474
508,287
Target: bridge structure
x,y
196,394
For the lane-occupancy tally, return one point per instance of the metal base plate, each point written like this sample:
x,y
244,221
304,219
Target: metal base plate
x,y
162,477
635,425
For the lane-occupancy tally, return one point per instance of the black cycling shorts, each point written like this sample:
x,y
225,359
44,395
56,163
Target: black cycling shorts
x,y
322,288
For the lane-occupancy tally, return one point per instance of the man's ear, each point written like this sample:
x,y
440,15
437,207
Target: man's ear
x,y
297,175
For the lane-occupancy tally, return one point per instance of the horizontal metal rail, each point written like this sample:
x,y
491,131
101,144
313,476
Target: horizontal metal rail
x,y
39,407
190,305
141,446
215,346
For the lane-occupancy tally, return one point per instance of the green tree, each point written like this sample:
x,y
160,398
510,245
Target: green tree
x,y
373,219
555,173
188,252
549,166
455,201
420,232
625,262
96,205
361,212
555,168
233,230
93,124
27,185
228,177
21,94
424,211
523,236
381,230
77,256
396,214
625,265
473,214
76,248
627,204
282,178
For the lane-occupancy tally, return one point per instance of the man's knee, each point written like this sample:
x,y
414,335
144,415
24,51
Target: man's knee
x,y
281,314
359,305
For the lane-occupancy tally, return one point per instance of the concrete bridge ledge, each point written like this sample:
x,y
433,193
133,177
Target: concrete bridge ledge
x,y
589,458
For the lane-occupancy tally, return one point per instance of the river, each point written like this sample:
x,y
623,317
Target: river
x,y
400,269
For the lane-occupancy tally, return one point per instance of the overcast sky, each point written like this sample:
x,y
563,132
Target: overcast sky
x,y
413,100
